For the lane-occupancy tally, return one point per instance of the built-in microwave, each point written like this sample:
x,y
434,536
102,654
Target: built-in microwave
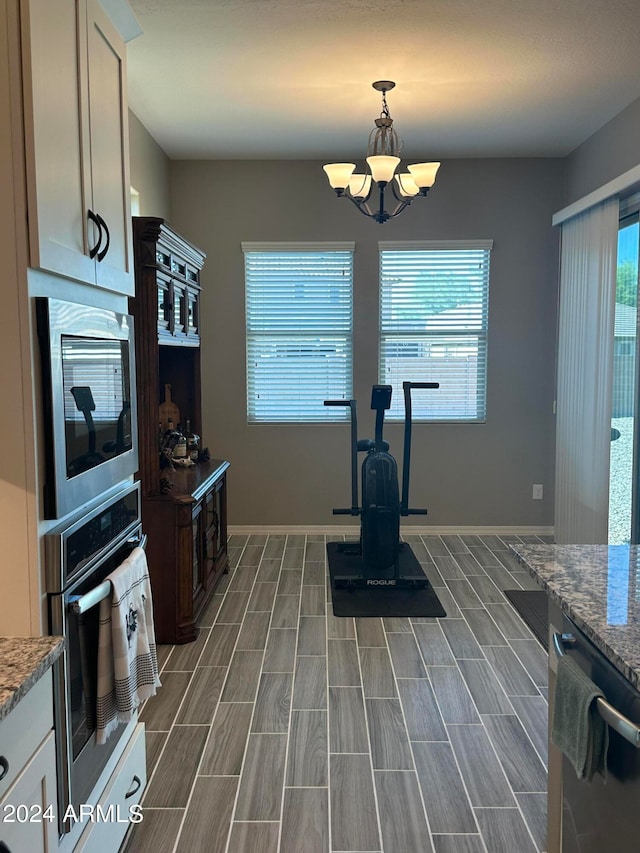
x,y
89,402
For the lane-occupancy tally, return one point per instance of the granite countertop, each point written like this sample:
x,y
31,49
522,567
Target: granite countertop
x,y
24,660
598,587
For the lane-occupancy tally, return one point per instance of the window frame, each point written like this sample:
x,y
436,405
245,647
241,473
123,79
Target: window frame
x,y
339,336
385,333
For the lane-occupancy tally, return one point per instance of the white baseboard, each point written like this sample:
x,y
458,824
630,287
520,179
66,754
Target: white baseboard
x,y
409,530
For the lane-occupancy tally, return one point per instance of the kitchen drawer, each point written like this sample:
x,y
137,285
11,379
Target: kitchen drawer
x,y
124,789
24,729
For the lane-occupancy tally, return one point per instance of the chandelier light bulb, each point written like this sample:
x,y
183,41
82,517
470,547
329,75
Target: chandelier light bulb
x,y
407,185
382,167
339,174
424,174
360,185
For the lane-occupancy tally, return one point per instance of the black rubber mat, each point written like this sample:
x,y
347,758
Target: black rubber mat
x,y
532,605
384,601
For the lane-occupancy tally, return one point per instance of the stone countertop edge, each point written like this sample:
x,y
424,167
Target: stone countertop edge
x,y
620,644
23,661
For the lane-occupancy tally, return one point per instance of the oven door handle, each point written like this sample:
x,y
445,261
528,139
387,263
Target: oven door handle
x,y
617,721
139,540
82,603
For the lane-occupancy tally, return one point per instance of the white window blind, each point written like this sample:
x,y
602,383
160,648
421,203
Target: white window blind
x,y
299,331
434,305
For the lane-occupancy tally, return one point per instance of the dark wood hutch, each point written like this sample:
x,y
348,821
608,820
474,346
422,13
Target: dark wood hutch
x,y
184,511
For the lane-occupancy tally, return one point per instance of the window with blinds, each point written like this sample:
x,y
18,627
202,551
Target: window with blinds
x,y
299,331
434,306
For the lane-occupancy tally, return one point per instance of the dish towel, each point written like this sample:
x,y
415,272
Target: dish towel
x,y
577,728
127,662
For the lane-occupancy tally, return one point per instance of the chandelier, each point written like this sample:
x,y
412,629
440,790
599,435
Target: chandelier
x,y
380,174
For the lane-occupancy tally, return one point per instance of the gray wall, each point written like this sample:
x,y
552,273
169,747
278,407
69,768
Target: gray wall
x,y
466,474
610,152
149,171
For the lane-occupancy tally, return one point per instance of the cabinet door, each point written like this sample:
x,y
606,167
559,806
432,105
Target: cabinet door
x,y
212,503
215,536
179,310
109,139
77,143
165,305
57,174
193,312
28,813
198,567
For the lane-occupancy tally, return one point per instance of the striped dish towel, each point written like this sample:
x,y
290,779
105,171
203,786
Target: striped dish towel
x,y
127,662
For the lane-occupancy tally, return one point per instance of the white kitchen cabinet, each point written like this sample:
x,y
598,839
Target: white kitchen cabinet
x,y
28,814
77,163
119,801
28,796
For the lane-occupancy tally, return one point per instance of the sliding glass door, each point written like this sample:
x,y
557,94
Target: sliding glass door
x,y
624,526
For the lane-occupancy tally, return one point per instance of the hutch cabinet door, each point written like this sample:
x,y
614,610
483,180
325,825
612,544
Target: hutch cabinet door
x,y
193,310
179,310
198,550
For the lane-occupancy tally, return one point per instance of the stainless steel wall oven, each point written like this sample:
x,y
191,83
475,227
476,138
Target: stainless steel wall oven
x,y
79,557
88,400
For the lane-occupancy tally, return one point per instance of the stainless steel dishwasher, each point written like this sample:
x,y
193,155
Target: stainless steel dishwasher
x,y
601,816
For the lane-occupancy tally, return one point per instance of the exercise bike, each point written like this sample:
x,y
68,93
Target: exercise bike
x,y
379,559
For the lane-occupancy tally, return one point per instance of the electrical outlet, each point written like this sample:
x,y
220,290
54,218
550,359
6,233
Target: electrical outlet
x,y
537,491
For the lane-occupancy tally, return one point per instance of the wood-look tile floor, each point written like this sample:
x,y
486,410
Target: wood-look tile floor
x,y
284,728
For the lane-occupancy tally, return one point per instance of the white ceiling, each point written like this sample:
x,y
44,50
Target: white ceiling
x,y
282,79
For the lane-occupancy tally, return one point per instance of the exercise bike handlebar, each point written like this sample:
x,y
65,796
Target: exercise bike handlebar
x,y
355,510
407,387
420,384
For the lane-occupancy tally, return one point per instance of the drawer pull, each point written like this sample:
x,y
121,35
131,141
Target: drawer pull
x,y
136,787
4,769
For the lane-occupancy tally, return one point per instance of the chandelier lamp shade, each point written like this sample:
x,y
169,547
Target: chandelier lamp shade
x,y
381,175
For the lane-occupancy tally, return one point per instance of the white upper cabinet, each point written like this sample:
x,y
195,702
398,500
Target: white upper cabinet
x,y
77,157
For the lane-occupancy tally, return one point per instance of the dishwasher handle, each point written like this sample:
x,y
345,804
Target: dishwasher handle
x,y
614,719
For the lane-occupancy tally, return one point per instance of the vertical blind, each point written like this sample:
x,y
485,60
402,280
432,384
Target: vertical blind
x,y
299,330
585,374
434,306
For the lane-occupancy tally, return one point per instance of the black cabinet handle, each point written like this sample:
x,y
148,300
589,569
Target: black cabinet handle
x,y
137,784
102,254
96,220
4,769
